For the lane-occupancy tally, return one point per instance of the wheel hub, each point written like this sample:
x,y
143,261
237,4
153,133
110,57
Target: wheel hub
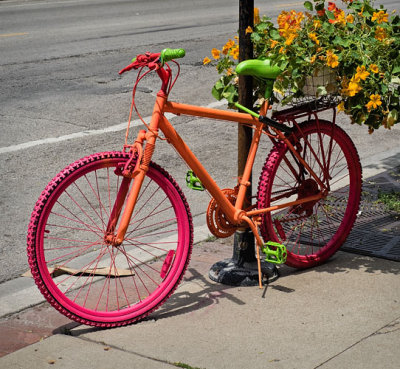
x,y
308,187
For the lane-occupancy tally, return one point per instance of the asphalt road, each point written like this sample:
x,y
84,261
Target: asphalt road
x,y
60,88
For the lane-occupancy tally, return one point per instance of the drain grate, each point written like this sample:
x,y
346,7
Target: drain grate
x,y
377,229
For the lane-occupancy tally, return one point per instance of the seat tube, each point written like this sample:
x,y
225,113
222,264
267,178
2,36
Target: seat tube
x,y
245,180
150,138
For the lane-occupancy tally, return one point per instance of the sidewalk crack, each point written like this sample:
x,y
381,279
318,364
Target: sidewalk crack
x,y
388,329
109,346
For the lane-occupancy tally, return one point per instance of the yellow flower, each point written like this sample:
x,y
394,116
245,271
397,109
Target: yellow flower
x,y
374,68
229,72
313,37
282,50
362,73
331,59
350,18
312,60
380,16
215,53
374,102
353,89
256,15
249,30
317,24
380,33
340,107
206,60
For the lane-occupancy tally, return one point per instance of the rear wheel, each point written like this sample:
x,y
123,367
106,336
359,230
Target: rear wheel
x,y
313,231
84,276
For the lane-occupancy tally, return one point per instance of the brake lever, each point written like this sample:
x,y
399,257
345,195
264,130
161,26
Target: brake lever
x,y
128,67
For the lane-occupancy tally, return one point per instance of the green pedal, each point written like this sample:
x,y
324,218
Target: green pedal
x,y
275,252
193,182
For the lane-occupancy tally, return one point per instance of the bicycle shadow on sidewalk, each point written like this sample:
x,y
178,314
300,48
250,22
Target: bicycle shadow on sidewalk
x,y
196,292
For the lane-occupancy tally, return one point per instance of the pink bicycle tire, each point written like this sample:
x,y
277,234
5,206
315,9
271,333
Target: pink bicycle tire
x,y
312,233
87,279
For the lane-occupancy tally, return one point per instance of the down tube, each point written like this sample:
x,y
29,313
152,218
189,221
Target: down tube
x,y
188,156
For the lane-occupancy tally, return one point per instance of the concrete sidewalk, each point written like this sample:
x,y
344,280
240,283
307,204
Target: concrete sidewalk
x,y
345,313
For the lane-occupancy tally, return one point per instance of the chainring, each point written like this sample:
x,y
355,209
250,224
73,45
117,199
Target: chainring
x,y
218,224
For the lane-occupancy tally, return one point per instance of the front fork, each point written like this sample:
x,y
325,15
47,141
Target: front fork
x,y
143,153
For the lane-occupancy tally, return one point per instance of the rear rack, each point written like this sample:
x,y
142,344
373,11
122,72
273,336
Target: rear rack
x,y
305,109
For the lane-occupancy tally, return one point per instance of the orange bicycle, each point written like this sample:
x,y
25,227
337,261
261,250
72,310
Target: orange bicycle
x,y
111,235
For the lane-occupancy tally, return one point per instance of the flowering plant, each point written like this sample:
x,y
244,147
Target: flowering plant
x,y
359,45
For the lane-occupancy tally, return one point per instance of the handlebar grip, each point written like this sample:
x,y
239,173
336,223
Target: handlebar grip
x,y
169,54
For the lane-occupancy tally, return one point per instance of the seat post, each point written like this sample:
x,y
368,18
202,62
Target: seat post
x,y
269,88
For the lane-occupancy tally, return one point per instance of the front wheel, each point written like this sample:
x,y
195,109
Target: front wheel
x,y
84,276
312,231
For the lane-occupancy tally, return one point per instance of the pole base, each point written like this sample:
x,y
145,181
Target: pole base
x,y
229,272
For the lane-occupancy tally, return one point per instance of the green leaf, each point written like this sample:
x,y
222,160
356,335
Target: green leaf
x,y
274,34
340,41
393,117
330,15
309,6
321,91
216,93
255,37
219,85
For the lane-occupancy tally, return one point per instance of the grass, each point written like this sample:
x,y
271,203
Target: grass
x,y
185,366
391,200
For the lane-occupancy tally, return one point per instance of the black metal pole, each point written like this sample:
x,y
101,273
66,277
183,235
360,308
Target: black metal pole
x,y
244,249
241,269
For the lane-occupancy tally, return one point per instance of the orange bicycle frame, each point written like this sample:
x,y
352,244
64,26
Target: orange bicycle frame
x,y
234,213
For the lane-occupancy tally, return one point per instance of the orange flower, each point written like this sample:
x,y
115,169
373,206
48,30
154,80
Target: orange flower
x,y
215,53
256,15
290,39
234,52
352,87
332,60
227,47
317,24
331,6
313,37
374,102
206,60
380,33
362,73
380,16
374,68
273,43
249,30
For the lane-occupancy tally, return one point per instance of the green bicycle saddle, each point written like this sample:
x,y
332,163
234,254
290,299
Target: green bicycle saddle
x,y
258,68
